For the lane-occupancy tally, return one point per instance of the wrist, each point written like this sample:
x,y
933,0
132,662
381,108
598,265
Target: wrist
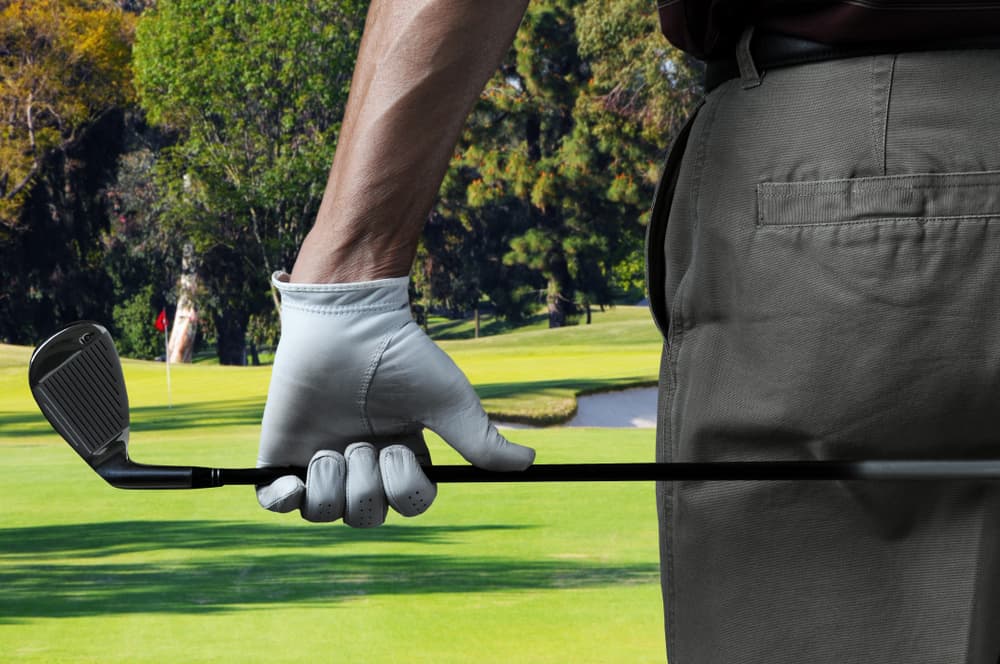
x,y
383,290
303,306
325,260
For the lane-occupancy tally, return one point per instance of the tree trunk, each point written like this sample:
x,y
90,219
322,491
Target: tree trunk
x,y
185,328
561,293
586,306
558,309
475,317
230,330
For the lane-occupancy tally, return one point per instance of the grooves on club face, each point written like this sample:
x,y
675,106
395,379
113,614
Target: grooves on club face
x,y
76,379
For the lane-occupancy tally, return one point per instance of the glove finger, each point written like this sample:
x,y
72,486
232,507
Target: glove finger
x,y
471,433
282,495
406,486
325,487
365,505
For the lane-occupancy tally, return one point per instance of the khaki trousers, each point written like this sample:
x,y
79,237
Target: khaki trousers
x,y
825,263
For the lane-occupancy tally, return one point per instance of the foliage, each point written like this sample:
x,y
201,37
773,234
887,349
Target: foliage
x,y
136,336
63,63
54,271
64,74
545,200
256,92
139,251
135,6
559,159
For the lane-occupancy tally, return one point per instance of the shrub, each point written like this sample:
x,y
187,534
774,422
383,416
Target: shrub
x,y
136,335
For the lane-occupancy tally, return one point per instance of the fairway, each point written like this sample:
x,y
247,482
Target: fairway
x,y
514,573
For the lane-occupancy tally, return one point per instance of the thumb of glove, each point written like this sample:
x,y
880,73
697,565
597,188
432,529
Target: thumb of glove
x,y
417,382
470,431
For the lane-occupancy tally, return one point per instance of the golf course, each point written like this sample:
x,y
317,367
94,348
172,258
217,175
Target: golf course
x,y
491,573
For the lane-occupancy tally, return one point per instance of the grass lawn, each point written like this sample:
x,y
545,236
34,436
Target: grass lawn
x,y
517,573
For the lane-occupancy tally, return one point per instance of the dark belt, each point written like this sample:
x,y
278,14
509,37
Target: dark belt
x,y
771,50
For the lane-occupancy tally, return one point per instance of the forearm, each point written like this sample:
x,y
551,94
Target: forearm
x,y
420,69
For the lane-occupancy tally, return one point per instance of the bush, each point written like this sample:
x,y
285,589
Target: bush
x,y
136,335
516,305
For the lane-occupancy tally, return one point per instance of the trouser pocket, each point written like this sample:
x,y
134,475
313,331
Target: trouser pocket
x,y
656,230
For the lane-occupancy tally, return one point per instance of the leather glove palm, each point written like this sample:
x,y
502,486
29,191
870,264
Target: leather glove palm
x,y
352,366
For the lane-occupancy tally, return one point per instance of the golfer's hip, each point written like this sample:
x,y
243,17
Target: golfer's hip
x,y
832,277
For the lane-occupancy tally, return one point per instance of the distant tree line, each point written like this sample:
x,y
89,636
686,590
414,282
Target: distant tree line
x,y
157,152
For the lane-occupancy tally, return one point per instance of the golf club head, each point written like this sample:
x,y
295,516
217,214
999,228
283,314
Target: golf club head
x,y
76,378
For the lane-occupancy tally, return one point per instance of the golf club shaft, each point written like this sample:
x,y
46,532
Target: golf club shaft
x,y
138,476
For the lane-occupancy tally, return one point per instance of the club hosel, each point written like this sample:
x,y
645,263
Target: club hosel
x,y
122,473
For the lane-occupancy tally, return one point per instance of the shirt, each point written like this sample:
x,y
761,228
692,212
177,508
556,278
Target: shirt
x,y
710,29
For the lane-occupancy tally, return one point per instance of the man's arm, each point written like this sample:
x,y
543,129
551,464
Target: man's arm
x,y
355,380
420,69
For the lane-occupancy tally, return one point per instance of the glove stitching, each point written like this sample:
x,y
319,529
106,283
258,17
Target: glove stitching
x,y
369,376
387,482
350,287
366,380
345,309
283,498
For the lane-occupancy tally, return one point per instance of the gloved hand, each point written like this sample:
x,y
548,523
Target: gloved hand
x,y
354,382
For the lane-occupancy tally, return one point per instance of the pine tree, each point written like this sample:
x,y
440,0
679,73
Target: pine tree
x,y
561,155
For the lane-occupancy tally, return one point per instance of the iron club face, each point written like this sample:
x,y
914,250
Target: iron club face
x,y
76,379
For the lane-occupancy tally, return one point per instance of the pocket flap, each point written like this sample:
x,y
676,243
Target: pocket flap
x,y
888,198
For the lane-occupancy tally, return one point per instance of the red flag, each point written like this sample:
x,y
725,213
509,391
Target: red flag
x,y
161,321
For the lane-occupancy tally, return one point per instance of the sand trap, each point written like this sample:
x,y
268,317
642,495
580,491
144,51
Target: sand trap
x,y
627,409
634,408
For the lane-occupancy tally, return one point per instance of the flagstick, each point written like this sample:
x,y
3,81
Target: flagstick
x,y
166,348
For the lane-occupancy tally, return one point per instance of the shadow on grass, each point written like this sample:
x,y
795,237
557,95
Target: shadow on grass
x,y
206,414
22,424
65,571
457,329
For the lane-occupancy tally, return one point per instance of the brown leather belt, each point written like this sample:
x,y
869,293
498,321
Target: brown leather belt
x,y
771,50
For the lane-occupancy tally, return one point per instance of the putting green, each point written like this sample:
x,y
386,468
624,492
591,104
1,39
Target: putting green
x,y
514,573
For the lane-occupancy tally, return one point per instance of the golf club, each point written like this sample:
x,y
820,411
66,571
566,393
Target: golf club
x,y
76,378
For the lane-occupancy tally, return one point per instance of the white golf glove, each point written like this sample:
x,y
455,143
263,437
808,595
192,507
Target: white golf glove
x,y
352,365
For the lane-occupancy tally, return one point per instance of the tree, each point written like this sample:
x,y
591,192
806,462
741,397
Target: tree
x,y
64,79
564,147
142,257
640,92
63,64
256,92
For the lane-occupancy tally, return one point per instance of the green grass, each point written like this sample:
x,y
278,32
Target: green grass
x,y
451,329
517,573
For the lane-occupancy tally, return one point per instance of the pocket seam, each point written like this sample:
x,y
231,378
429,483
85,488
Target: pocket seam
x,y
885,221
919,197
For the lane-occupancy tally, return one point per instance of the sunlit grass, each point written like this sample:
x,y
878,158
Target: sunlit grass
x,y
511,573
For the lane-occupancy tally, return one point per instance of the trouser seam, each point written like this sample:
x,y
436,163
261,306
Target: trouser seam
x,y
883,70
675,336
885,127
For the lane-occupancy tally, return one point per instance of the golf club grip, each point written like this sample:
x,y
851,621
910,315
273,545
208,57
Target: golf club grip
x,y
716,471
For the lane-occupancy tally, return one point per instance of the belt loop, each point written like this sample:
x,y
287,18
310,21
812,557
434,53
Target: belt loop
x,y
748,70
